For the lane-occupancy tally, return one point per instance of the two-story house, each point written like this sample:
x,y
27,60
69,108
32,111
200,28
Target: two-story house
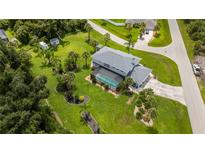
x,y
112,66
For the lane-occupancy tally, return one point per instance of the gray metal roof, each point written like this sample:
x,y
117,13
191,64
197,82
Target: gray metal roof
x,y
54,41
150,23
2,34
140,74
116,59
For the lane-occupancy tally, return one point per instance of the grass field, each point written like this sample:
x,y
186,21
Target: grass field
x,y
164,38
118,20
121,32
112,114
189,44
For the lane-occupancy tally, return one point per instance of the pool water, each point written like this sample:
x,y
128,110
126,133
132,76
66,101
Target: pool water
x,y
108,81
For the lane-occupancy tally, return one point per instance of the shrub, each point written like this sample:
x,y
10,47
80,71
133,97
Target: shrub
x,y
68,95
81,98
94,81
139,115
127,92
136,25
156,34
146,118
141,110
106,87
104,24
76,97
138,103
102,84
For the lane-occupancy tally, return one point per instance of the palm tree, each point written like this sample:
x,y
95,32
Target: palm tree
x,y
129,27
157,27
128,82
73,56
130,43
106,38
142,29
86,55
88,28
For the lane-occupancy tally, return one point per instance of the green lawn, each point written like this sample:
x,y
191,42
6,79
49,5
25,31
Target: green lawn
x,y
164,38
201,84
121,32
189,44
118,20
162,67
10,34
113,114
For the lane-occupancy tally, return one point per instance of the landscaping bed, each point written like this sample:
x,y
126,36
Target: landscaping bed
x,y
77,101
91,122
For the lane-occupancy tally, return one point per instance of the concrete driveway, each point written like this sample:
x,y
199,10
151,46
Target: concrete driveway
x,y
177,52
165,90
145,39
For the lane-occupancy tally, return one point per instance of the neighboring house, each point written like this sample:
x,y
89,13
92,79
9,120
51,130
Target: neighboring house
x,y
43,45
3,36
150,23
112,66
54,42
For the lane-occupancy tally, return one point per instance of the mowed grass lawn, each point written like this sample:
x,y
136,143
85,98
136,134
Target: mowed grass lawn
x,y
164,38
112,114
118,20
189,44
119,31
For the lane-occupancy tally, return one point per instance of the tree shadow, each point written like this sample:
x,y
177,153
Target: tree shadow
x,y
152,130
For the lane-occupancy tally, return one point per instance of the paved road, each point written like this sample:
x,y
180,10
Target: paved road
x,y
177,52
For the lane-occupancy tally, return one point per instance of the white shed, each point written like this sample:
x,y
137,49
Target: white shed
x,y
43,45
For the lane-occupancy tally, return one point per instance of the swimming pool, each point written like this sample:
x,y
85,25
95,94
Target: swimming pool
x,y
108,81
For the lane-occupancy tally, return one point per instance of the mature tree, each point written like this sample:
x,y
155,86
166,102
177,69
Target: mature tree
x,y
47,55
106,38
71,61
73,56
88,28
86,56
27,30
22,108
4,24
130,43
198,48
22,34
66,84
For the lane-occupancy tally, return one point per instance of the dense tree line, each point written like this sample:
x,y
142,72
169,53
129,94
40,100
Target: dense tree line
x,y
30,31
21,107
196,31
